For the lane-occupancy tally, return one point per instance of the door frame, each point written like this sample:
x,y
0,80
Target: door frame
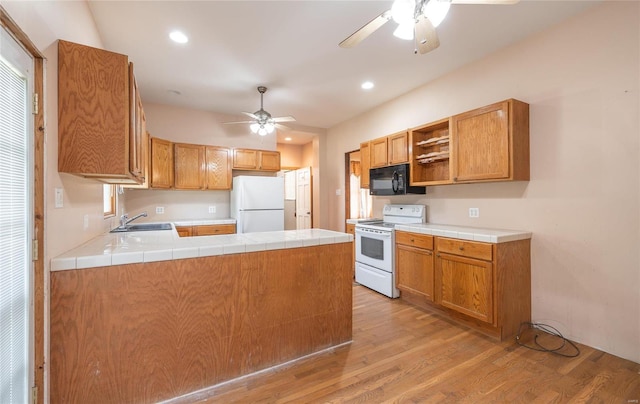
x,y
347,185
38,202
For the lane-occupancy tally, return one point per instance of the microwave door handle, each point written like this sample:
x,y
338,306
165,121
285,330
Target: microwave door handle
x,y
394,182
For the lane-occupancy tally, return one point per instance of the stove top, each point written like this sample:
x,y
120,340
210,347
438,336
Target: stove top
x,y
396,214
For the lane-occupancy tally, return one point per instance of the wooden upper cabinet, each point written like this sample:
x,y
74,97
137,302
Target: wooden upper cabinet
x,y
189,166
378,152
269,160
365,164
99,116
250,159
398,146
389,150
218,167
491,143
161,163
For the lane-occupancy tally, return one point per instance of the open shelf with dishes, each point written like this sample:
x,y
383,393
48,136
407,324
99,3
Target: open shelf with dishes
x,y
430,154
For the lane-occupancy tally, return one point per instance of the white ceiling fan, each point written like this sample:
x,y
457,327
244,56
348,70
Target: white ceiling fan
x,y
263,123
416,19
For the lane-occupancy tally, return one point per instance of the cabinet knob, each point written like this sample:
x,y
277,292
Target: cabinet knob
x,y
461,248
455,179
412,240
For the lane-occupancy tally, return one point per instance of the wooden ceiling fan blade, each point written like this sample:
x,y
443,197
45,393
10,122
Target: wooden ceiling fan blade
x,y
505,2
284,119
366,30
426,36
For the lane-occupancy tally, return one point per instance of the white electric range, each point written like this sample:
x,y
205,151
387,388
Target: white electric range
x,y
375,247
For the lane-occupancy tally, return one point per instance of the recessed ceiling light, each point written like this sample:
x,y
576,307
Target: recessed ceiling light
x,y
367,85
179,37
288,139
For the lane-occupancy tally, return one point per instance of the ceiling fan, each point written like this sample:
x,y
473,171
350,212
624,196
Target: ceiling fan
x,y
263,123
416,19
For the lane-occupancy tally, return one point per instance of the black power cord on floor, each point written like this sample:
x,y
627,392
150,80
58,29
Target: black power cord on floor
x,y
549,330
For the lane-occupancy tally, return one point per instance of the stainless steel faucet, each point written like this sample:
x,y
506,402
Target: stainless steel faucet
x,y
124,219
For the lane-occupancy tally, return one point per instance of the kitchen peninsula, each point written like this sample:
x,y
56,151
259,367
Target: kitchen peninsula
x,y
149,316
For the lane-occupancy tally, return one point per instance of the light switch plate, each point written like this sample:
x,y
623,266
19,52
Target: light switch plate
x,y
159,210
59,193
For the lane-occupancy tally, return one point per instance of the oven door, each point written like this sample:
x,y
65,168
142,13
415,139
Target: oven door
x,y
375,248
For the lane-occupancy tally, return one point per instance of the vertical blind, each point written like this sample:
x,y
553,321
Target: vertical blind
x,y
15,207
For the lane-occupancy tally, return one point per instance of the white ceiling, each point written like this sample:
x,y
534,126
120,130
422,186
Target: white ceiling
x,y
292,48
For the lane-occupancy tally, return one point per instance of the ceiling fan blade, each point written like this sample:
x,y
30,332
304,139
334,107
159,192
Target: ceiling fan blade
x,y
282,127
230,123
249,114
426,36
506,2
284,119
366,30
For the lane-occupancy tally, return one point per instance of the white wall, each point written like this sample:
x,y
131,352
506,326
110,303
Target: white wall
x,y
583,201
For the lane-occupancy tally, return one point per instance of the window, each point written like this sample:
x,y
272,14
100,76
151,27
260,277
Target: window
x,y
109,200
16,220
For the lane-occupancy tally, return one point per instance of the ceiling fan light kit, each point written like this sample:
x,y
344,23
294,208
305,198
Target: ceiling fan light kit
x,y
416,19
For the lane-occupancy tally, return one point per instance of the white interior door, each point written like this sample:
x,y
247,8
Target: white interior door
x,y
303,199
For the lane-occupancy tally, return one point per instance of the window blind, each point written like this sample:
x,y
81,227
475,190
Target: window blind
x,y
15,207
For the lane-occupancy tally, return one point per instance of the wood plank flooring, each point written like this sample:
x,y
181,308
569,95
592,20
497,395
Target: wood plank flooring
x,y
402,354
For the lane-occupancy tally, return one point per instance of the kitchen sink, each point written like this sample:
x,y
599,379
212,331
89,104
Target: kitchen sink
x,y
142,227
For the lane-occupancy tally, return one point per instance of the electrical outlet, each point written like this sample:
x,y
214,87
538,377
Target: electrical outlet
x,y
159,210
212,209
474,212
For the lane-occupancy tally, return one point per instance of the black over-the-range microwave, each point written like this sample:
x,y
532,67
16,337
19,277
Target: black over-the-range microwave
x,y
392,180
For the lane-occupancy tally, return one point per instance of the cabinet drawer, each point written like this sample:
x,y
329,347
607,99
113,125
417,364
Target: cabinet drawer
x,y
214,229
465,248
414,239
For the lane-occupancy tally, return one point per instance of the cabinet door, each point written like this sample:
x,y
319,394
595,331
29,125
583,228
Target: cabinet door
x,y
378,152
218,168
482,145
270,160
161,163
465,285
93,113
398,148
365,164
414,270
189,166
245,159
136,129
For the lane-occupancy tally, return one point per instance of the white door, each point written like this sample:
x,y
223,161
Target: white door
x,y
16,221
303,198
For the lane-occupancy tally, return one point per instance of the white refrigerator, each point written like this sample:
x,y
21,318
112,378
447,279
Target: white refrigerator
x,y
257,203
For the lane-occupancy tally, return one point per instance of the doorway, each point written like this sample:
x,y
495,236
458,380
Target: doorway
x,y
358,202
298,205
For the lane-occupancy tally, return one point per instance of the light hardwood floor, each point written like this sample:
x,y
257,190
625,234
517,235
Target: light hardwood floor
x,y
402,354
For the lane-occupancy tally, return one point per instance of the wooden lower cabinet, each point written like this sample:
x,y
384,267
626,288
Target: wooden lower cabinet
x,y
485,286
414,263
351,229
205,230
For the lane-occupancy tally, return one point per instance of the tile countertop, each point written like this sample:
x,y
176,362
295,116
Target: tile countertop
x,y
466,233
356,221
164,245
